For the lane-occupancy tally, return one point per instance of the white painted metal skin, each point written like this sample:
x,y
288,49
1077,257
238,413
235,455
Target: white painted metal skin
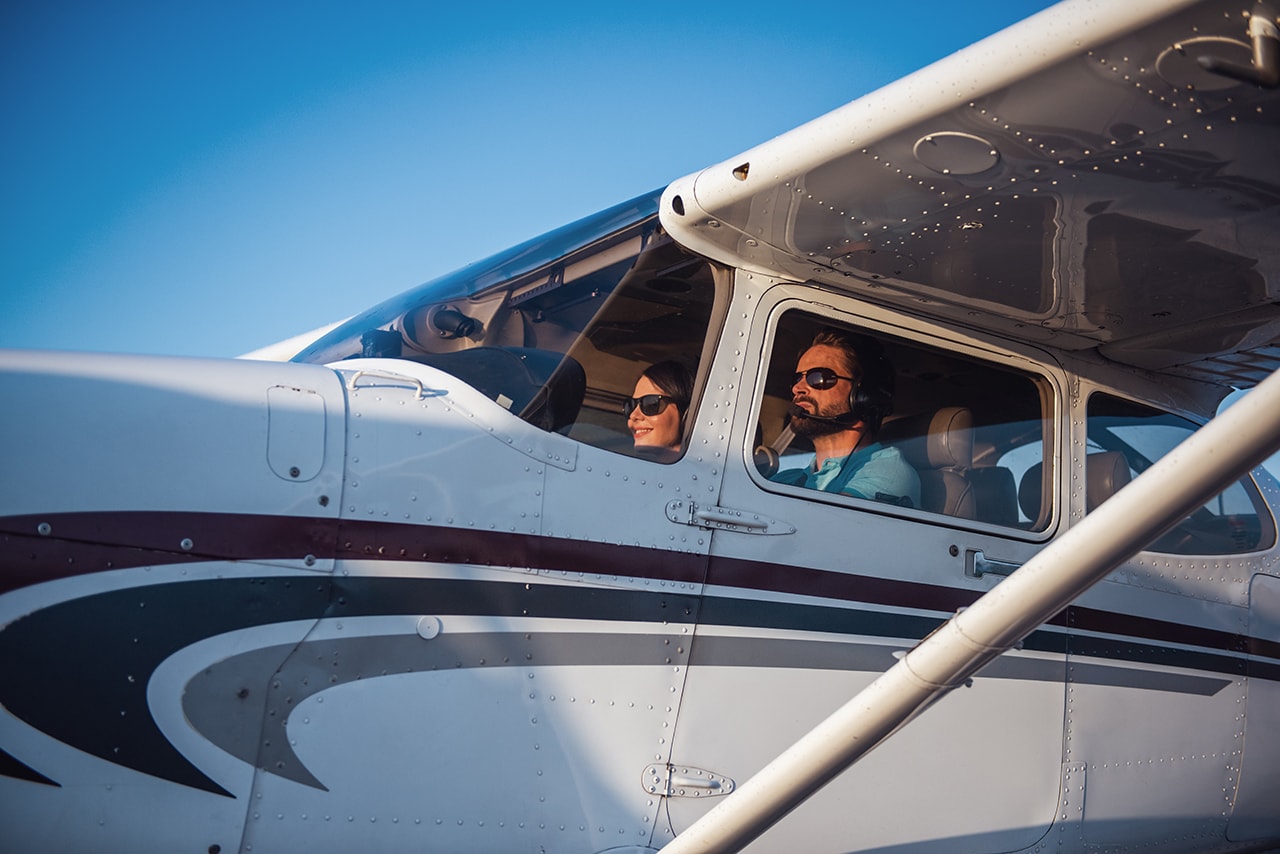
x,y
401,598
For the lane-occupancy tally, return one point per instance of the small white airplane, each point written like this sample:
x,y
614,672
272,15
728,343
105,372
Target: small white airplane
x,y
455,577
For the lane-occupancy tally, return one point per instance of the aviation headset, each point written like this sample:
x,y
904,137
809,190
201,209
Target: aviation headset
x,y
871,399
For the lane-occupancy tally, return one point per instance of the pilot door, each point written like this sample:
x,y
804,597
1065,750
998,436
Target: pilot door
x,y
821,576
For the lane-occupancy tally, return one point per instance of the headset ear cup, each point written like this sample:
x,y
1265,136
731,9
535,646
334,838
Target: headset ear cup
x,y
857,402
871,400
865,406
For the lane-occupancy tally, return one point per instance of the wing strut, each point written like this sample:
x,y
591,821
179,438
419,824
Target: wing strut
x,y
1188,476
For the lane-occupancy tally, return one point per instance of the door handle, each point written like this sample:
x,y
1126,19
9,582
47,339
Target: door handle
x,y
978,564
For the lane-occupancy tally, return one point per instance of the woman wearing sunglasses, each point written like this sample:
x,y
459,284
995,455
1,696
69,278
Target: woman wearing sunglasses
x,y
655,412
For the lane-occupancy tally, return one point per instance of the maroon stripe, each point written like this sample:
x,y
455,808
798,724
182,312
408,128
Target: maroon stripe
x,y
1127,625
80,543
397,541
782,578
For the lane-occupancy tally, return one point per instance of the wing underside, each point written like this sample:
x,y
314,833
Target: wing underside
x,y
1078,181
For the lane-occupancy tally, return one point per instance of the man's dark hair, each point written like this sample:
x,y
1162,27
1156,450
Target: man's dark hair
x,y
871,400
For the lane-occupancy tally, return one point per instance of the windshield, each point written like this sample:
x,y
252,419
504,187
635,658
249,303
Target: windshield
x,y
558,329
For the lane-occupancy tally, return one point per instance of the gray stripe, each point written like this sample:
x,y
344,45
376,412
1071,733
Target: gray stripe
x,y
228,702
823,655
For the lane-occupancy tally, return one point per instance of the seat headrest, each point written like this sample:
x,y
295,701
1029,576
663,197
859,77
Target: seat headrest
x,y
1030,491
933,440
1104,475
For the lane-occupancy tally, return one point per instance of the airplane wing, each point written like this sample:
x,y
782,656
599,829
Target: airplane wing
x,y
1103,191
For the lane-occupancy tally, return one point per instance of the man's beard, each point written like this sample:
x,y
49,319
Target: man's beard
x,y
803,425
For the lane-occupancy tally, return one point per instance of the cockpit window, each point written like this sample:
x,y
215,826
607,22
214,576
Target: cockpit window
x,y
1126,438
942,432
558,330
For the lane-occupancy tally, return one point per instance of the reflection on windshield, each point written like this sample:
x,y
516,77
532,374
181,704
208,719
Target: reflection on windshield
x,y
556,330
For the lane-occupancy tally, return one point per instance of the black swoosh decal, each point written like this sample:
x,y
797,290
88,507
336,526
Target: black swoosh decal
x,y
90,691
11,767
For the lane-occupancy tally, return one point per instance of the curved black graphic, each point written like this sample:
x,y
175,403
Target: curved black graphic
x,y
78,670
11,767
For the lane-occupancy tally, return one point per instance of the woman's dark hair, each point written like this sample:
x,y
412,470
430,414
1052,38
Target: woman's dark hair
x,y
675,381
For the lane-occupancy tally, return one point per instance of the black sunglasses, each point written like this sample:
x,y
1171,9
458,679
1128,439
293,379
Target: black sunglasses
x,y
819,378
650,404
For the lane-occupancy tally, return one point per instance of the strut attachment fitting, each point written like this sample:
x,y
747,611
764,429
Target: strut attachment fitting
x,y
1265,70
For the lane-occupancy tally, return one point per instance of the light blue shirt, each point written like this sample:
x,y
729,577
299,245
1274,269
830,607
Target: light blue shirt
x,y
875,473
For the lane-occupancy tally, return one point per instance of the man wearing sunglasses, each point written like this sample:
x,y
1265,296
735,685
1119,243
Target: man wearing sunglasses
x,y
841,391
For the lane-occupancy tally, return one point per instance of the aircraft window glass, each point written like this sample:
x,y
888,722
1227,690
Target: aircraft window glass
x,y
1126,438
972,434
559,330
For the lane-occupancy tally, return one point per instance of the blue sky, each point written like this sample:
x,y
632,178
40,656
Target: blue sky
x,y
204,178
